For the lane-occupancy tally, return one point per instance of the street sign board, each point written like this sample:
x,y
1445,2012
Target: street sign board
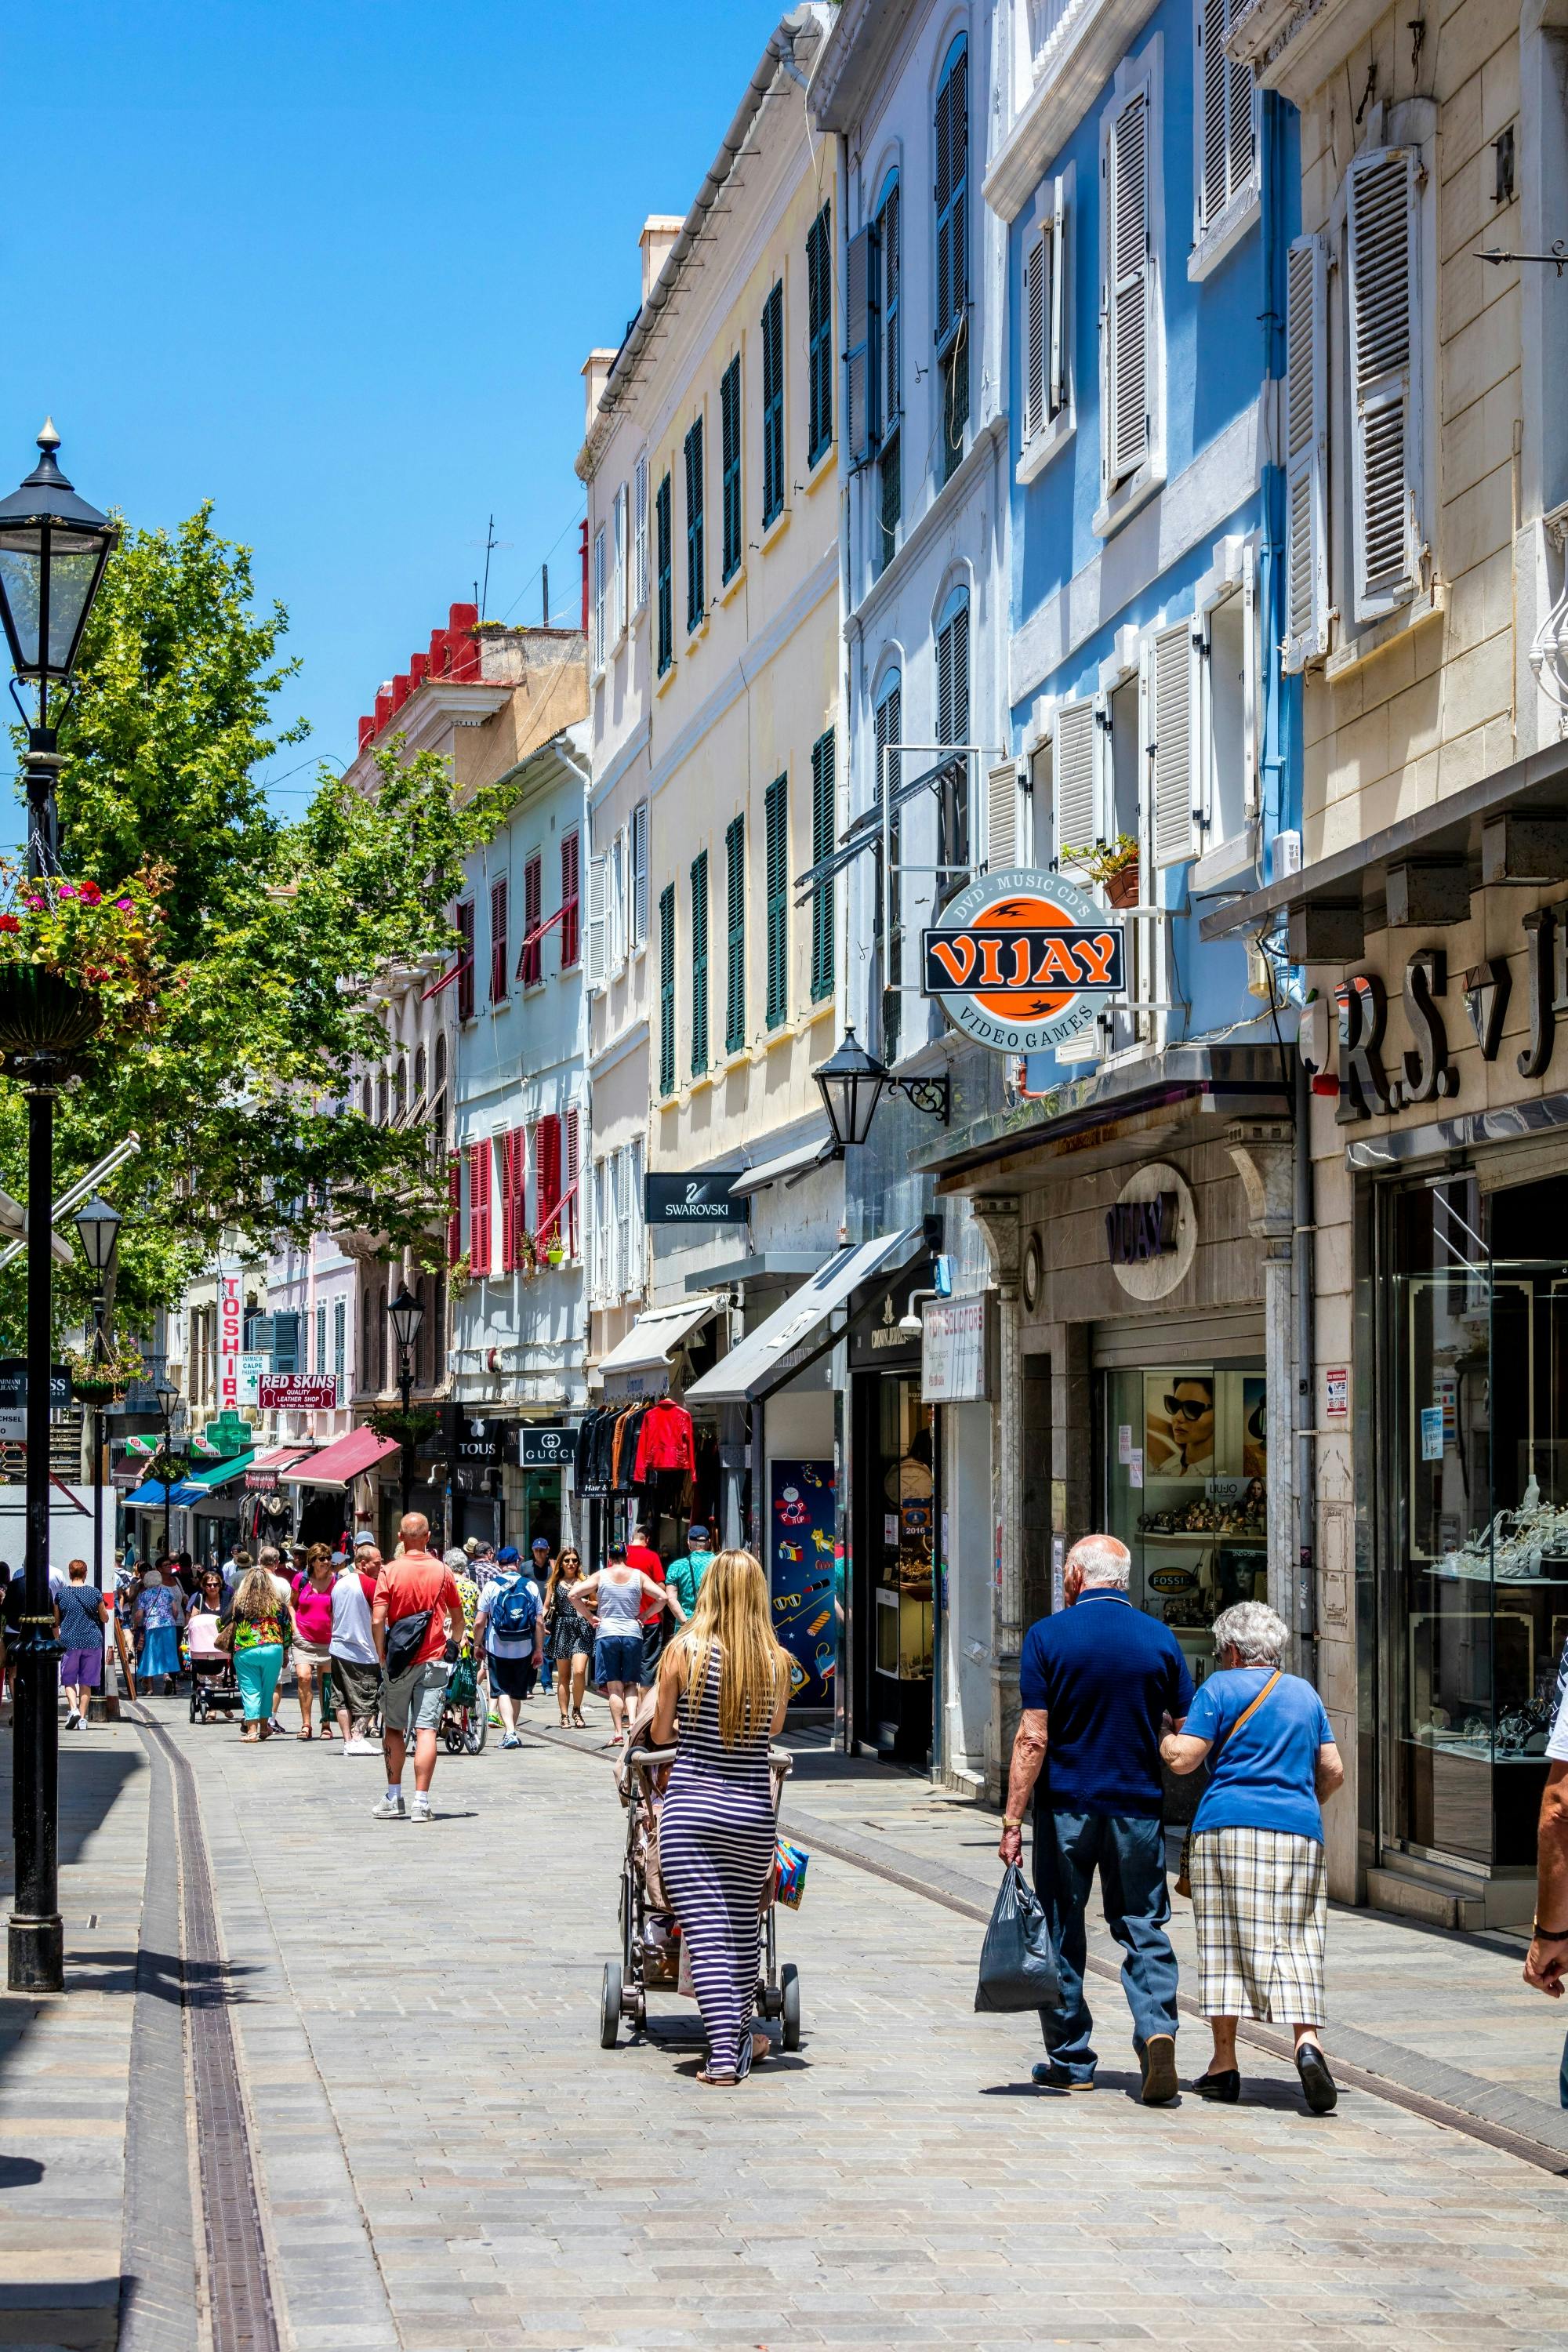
x,y
543,1448
1021,960
13,1394
693,1199
297,1391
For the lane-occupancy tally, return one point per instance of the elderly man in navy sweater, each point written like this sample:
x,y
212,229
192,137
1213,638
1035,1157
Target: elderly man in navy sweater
x,y
1100,1681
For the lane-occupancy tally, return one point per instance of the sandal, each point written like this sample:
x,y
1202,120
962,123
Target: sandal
x,y
725,2082
326,1732
579,1722
306,1733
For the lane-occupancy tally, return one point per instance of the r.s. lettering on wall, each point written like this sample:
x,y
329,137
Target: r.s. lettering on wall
x,y
1377,1079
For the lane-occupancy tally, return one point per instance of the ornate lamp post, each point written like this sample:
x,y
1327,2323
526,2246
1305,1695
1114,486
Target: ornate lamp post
x,y
405,1315
98,1227
168,1397
53,549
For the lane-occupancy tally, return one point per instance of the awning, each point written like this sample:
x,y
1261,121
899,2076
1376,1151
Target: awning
x,y
153,1496
787,1163
797,1330
339,1463
655,1337
263,1470
221,1474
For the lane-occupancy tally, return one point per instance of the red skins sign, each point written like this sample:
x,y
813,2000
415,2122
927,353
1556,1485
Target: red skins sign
x,y
1022,960
297,1391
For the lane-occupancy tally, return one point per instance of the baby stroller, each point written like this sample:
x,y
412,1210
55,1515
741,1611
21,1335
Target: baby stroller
x,y
650,1937
215,1691
465,1714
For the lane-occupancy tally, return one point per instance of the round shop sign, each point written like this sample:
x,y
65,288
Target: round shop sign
x,y
1022,960
1152,1232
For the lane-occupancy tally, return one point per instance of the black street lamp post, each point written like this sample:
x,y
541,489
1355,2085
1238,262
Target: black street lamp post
x,y
852,1081
53,549
168,1397
98,1226
405,1315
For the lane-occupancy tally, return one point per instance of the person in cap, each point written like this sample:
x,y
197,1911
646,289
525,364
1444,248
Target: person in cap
x,y
510,1624
686,1574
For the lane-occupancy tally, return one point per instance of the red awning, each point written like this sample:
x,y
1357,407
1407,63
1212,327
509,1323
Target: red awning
x,y
263,1471
339,1463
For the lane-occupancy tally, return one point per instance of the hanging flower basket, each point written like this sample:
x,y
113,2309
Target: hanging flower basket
x,y
554,1254
75,960
41,1011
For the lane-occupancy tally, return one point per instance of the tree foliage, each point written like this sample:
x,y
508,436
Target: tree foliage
x,y
275,937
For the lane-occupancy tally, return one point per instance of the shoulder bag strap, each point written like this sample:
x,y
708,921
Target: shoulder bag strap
x,y
1248,1712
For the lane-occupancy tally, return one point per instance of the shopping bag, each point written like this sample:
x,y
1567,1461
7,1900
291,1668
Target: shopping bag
x,y
791,1867
1017,1965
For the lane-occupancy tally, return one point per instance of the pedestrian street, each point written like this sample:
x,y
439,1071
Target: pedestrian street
x,y
445,2160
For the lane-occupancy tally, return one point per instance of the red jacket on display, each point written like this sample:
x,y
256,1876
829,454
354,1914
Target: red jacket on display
x,y
663,1441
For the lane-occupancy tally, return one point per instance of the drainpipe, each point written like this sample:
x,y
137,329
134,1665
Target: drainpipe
x,y
1306,1387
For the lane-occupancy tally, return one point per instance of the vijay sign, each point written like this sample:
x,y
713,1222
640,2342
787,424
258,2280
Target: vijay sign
x,y
1022,961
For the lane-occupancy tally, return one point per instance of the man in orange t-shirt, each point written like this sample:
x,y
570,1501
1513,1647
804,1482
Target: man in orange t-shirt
x,y
408,1586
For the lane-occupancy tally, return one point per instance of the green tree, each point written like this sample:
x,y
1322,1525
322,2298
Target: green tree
x,y
240,1093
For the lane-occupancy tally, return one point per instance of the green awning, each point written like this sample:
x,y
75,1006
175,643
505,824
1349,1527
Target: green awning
x,y
221,1472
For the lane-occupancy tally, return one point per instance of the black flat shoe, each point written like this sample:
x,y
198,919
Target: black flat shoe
x,y
1225,2087
1318,2085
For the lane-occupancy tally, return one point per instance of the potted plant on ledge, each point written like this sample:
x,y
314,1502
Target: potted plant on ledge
x,y
1112,864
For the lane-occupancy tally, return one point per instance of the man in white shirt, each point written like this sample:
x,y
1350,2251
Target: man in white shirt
x,y
356,1669
514,1649
1548,1956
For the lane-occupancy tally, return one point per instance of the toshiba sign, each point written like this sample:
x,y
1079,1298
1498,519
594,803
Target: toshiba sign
x,y
1023,960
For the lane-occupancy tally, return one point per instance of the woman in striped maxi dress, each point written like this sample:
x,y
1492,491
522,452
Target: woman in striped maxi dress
x,y
723,1687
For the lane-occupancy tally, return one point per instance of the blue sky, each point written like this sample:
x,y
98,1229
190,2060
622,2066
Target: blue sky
x,y
337,268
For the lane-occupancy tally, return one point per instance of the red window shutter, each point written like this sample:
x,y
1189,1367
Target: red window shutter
x,y
519,1186
508,1205
466,960
573,1175
454,1209
570,930
479,1207
549,1174
533,908
499,946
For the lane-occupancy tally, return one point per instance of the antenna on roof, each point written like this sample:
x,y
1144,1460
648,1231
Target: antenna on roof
x,y
544,571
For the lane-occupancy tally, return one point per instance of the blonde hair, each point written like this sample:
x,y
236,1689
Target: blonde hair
x,y
257,1596
732,1617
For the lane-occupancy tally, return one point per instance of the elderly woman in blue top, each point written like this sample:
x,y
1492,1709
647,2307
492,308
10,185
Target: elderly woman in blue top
x,y
1258,1878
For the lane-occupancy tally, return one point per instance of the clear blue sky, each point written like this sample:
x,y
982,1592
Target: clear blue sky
x,y
336,266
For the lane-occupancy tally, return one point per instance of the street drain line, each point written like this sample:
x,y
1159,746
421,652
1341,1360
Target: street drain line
x,y
240,2287
826,1840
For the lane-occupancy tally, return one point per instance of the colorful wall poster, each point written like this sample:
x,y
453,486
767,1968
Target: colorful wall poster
x,y
802,1513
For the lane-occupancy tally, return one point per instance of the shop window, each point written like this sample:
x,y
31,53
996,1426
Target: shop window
x,y
903,1521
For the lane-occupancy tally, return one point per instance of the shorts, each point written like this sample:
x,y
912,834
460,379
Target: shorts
x,y
358,1685
511,1678
652,1649
617,1658
414,1701
80,1666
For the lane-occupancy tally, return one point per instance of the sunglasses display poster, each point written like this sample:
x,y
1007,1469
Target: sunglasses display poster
x,y
801,1579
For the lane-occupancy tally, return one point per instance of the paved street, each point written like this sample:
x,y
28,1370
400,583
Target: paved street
x,y
446,2160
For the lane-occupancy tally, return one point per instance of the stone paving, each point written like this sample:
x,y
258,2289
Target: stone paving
x,y
449,2162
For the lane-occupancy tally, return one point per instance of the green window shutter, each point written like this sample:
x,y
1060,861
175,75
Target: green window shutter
x,y
890,728
696,581
735,961
772,405
819,333
666,988
664,536
730,422
776,807
699,963
952,251
822,826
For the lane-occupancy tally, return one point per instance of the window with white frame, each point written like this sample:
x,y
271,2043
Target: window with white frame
x,y
1130,319
600,586
1225,715
1043,345
618,614
1306,433
639,534
1226,176
616,906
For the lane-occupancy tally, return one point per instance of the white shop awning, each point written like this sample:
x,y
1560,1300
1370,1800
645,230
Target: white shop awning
x,y
656,1335
767,1357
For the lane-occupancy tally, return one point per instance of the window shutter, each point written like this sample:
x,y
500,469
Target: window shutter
x,y
639,874
639,535
952,679
952,194
819,334
500,895
1126,428
573,1181
1168,731
454,1209
1212,101
479,1207
508,1200
735,935
776,809
696,567
1003,829
1249,680
823,819
569,916
699,963
1057,385
862,357
596,963
729,472
599,598
664,528
1074,767
547,1175
888,263
1385,471
618,596
531,963
772,405
667,990
1306,452
1036,321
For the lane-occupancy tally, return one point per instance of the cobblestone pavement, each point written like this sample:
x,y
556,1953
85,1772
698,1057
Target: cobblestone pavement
x,y
448,2161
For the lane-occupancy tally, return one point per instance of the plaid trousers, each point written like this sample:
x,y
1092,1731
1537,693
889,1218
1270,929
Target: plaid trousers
x,y
1261,1900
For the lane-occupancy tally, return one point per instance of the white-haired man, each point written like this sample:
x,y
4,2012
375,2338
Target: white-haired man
x,y
1100,1681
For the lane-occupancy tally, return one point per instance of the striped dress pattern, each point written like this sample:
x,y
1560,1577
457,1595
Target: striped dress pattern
x,y
717,1833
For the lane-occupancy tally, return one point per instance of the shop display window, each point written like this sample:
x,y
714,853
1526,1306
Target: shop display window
x,y
903,1534
1480,1447
1187,1485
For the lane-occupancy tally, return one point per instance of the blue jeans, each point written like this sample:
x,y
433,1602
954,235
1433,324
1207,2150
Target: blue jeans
x,y
1130,1854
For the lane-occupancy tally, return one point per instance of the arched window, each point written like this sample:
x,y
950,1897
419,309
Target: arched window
x,y
889,465
953,727
367,1099
400,1091
419,1073
381,1099
952,241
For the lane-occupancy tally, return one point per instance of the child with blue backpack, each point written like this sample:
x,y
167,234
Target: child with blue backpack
x,y
511,1622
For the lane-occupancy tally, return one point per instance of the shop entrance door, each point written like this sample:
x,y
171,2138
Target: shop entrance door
x,y
895,1545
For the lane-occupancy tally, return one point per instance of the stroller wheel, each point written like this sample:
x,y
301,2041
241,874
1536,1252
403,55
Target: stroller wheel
x,y
195,1710
610,2006
790,1988
452,1738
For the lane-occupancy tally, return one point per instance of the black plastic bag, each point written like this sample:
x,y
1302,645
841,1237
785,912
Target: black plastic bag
x,y
1017,1965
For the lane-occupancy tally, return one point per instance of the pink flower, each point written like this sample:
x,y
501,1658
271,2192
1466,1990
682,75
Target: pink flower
x,y
124,905
35,904
67,890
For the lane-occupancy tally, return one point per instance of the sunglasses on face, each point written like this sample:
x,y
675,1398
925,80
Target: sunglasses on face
x,y
1187,1408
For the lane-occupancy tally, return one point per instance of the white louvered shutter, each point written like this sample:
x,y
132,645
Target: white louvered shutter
x,y
1127,292
862,354
1074,764
1169,734
596,962
1249,679
1306,452
1215,157
1386,417
618,596
639,535
1004,844
1036,332
1056,385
